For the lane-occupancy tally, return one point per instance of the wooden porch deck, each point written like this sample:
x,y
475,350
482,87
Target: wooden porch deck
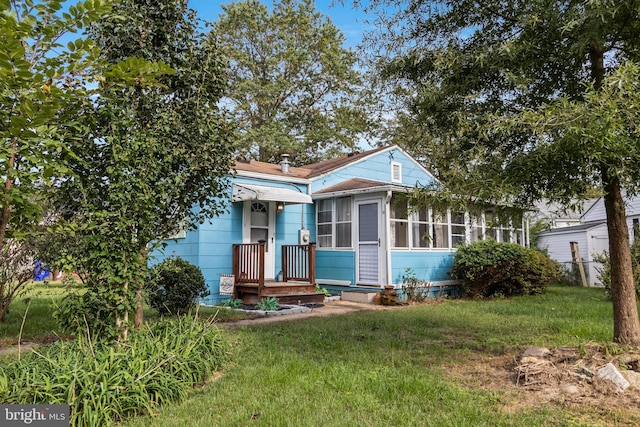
x,y
298,268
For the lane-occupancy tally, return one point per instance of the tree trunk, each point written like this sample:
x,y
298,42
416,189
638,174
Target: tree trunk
x,y
139,315
6,208
626,327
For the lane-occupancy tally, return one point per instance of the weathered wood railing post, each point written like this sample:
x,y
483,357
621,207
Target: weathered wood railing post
x,y
312,263
299,263
261,253
236,269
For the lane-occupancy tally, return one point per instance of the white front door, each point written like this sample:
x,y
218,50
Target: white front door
x,y
260,225
369,237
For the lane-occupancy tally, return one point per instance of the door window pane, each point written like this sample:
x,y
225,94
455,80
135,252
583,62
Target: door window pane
x,y
259,215
368,218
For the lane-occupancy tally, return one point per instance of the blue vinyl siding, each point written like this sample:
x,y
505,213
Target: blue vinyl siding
x,y
378,168
288,224
187,249
210,245
336,265
216,239
427,266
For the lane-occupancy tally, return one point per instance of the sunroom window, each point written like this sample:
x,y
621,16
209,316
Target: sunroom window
x,y
458,228
477,224
421,229
399,221
334,219
440,233
324,210
343,222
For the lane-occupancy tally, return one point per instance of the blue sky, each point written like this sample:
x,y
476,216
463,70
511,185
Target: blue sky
x,y
349,20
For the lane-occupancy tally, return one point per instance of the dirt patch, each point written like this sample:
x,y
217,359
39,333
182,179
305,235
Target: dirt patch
x,y
10,346
566,376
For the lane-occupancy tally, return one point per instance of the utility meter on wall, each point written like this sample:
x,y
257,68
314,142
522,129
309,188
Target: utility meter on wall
x,y
304,236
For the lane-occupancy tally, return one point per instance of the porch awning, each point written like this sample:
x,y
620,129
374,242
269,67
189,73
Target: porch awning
x,y
267,194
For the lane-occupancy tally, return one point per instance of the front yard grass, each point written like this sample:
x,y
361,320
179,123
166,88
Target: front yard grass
x,y
38,304
404,367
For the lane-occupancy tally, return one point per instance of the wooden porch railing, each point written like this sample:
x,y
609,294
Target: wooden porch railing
x,y
299,263
248,263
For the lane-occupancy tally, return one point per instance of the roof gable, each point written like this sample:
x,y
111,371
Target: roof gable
x,y
353,165
320,168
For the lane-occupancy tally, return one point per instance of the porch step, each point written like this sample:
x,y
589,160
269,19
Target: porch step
x,y
299,298
359,296
288,289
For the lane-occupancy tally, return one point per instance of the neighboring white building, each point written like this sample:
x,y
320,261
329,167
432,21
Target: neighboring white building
x,y
558,216
597,213
591,236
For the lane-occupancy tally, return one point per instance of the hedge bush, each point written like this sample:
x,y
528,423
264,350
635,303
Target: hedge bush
x,y
488,268
174,286
104,384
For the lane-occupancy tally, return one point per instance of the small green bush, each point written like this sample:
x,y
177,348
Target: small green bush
x,y
605,270
413,289
174,286
268,304
104,384
488,268
233,303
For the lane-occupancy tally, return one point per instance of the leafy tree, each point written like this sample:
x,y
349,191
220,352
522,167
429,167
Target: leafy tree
x,y
40,81
506,105
156,155
292,86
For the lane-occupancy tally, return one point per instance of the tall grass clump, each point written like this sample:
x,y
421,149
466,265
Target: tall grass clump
x,y
488,268
104,383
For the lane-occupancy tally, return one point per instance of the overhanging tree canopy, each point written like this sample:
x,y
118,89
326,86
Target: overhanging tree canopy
x,y
480,77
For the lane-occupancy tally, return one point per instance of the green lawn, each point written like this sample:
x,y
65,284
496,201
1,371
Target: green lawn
x,y
391,368
33,312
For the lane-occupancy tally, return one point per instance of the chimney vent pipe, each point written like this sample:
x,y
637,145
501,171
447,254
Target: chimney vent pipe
x,y
284,164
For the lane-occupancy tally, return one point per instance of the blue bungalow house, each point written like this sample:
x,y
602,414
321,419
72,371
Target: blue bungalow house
x,y
343,224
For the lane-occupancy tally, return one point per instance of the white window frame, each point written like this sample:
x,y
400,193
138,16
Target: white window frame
x,y
329,223
407,221
334,222
396,177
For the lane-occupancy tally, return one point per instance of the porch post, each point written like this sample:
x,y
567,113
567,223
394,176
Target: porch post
x,y
261,257
312,263
235,269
